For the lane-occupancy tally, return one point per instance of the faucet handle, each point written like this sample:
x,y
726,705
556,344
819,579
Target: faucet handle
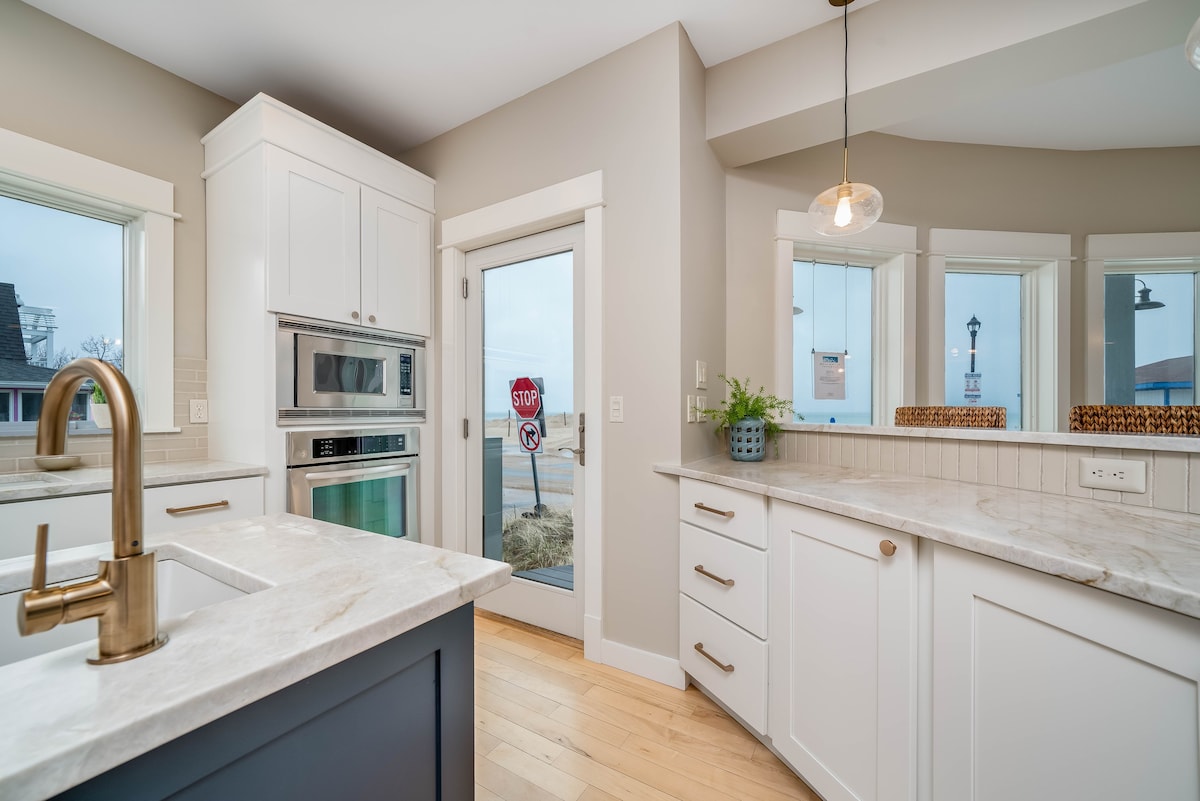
x,y
40,548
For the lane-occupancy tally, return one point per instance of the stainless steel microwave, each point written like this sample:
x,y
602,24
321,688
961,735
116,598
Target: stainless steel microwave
x,y
327,372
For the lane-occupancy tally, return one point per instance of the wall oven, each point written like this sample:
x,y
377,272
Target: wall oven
x,y
326,372
361,478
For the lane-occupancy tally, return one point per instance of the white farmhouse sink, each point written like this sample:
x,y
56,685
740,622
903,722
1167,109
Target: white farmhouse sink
x,y
181,589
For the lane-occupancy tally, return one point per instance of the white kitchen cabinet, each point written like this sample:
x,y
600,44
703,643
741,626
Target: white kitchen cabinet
x,y
723,596
87,519
843,661
1047,689
345,252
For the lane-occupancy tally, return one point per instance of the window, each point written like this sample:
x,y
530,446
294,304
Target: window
x,y
1150,338
852,296
61,297
1017,286
39,178
984,341
831,324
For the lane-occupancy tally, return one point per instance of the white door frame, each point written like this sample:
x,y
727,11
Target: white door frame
x,y
575,200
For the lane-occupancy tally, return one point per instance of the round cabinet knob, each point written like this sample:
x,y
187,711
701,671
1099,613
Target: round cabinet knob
x,y
371,318
887,548
354,315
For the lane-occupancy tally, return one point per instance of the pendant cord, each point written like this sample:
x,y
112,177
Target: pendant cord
x,y
814,305
846,309
846,93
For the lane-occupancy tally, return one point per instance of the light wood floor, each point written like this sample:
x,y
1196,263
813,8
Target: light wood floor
x,y
550,725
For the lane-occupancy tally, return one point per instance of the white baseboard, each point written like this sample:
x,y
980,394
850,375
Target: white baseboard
x,y
655,667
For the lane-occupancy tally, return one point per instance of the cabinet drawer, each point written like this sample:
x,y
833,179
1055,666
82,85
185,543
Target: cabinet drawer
x,y
744,601
735,513
182,506
743,688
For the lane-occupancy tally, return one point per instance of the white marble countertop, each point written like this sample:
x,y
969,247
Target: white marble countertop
x,y
324,593
1146,554
84,480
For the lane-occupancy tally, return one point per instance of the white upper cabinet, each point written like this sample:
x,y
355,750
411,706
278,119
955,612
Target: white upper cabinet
x,y
344,232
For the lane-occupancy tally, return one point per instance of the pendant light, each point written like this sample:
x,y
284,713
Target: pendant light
x,y
848,207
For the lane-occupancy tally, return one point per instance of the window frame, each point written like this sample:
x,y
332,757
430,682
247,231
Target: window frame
x,y
1043,261
891,251
1130,253
44,173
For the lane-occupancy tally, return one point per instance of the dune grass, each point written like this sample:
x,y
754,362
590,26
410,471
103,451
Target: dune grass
x,y
531,543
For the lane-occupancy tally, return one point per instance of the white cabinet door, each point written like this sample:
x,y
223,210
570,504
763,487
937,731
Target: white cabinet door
x,y
397,247
1047,689
843,654
74,520
312,240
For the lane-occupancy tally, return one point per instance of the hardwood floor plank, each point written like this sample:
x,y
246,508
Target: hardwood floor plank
x,y
552,689
484,742
591,794
738,785
532,668
561,784
580,739
611,781
736,742
484,794
506,784
520,737
494,684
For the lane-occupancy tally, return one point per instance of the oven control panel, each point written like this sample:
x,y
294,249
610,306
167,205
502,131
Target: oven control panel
x,y
317,447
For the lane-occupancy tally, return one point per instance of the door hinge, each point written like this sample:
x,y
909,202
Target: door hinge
x,y
466,428
464,289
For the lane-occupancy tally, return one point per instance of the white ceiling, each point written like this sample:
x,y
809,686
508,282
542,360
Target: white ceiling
x,y
405,71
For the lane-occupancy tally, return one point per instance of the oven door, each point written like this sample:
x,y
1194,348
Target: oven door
x,y
378,496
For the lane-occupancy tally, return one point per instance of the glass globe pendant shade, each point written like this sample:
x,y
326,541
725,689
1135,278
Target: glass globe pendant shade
x,y
845,209
1192,47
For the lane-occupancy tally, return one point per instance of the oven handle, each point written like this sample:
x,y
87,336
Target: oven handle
x,y
337,476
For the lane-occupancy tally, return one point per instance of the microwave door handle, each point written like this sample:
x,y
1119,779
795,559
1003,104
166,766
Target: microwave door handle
x,y
336,476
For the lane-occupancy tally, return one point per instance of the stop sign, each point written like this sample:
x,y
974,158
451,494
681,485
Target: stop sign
x,y
526,399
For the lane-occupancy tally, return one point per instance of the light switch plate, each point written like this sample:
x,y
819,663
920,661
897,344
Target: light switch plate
x,y
701,403
616,409
690,411
701,375
1122,475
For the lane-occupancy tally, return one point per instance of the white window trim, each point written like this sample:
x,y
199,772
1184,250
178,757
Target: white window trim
x,y
35,170
1044,262
892,250
574,200
1124,253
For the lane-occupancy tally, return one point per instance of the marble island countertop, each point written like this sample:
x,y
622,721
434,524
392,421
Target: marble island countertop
x,y
1141,553
319,593
84,480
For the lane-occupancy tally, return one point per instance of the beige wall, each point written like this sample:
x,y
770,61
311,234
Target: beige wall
x,y
945,185
70,89
620,114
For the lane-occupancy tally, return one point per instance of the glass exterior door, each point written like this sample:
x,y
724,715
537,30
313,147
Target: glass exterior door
x,y
528,387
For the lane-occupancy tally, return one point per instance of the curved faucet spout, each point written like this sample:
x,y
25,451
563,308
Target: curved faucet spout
x,y
127,441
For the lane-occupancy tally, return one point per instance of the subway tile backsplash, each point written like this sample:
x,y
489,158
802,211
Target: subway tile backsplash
x,y
191,378
1172,477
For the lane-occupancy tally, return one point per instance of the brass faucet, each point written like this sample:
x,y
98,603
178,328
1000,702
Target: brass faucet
x,y
122,595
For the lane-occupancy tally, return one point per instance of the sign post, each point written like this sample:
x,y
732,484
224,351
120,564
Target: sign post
x,y
526,394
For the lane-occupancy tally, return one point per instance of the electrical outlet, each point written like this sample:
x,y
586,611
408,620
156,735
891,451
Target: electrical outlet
x,y
691,408
198,410
1122,475
701,404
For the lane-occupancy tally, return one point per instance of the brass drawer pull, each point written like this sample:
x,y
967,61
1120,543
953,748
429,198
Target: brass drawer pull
x,y
179,510
887,548
727,515
700,647
700,569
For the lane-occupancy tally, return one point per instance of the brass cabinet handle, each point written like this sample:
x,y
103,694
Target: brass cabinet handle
x,y
727,515
179,510
887,548
700,647
700,569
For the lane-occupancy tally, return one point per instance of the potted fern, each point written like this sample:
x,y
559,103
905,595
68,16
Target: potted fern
x,y
750,418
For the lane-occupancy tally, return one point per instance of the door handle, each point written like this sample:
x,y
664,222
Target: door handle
x,y
582,442
577,451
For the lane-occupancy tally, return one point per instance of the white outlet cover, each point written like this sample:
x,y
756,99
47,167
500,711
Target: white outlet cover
x,y
1122,475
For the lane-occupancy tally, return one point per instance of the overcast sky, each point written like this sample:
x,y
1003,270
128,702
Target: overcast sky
x,y
70,263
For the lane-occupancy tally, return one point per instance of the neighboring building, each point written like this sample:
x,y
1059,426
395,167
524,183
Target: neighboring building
x,y
1168,382
22,384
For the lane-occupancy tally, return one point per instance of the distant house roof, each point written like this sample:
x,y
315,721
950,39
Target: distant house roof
x,y
1175,371
12,343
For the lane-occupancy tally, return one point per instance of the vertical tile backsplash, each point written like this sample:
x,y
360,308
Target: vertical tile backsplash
x,y
1172,478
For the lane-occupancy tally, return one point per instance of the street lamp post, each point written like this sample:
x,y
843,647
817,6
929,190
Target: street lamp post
x,y
973,326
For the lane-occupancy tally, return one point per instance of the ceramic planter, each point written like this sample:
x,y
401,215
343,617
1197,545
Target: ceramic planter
x,y
747,440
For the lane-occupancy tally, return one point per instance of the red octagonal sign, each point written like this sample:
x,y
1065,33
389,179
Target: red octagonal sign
x,y
526,399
